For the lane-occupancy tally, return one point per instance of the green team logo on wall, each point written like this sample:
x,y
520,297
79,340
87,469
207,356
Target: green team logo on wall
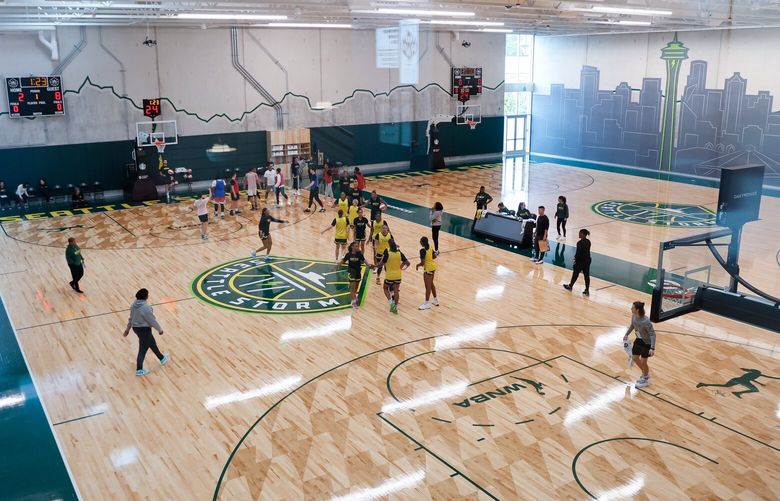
x,y
656,214
280,285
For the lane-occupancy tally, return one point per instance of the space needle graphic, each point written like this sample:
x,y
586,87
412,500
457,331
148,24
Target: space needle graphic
x,y
674,54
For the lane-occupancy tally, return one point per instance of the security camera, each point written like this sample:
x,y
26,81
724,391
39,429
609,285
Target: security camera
x,y
149,42
466,44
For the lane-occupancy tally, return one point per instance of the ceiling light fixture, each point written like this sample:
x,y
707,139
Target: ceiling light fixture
x,y
629,11
496,30
625,23
417,12
464,23
229,17
306,25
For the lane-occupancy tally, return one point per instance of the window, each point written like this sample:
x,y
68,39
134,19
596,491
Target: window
x,y
518,78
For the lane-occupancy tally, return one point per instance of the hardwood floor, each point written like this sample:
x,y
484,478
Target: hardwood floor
x,y
512,388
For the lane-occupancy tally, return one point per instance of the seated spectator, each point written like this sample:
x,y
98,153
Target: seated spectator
x,y
78,198
43,188
503,210
523,212
21,195
5,201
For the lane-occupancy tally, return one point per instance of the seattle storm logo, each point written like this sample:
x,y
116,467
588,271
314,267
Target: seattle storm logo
x,y
656,213
280,285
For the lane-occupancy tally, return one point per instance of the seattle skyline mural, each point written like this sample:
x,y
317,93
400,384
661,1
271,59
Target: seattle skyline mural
x,y
704,130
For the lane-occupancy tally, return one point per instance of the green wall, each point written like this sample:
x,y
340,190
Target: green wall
x,y
352,145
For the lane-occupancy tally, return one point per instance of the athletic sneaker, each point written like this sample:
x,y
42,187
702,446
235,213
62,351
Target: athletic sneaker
x,y
586,292
435,302
567,287
425,306
267,258
306,210
322,210
141,372
378,280
641,383
165,358
394,308
223,215
231,213
354,304
253,254
72,285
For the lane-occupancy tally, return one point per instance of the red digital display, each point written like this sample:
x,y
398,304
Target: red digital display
x,y
34,96
151,107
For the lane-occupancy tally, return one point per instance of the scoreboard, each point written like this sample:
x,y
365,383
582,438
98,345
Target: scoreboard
x,y
466,82
34,96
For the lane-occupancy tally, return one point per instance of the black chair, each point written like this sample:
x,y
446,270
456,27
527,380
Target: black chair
x,y
56,192
97,191
85,190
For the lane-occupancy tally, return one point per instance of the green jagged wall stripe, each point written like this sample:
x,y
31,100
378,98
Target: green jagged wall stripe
x,y
88,80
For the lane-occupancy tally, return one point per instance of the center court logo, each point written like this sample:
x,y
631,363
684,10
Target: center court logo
x,y
656,213
281,285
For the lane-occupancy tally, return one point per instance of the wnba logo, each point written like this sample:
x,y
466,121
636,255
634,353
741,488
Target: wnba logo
x,y
280,285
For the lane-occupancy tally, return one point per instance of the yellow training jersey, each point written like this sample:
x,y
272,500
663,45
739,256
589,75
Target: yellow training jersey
x,y
352,214
343,206
377,229
382,242
341,228
429,264
393,265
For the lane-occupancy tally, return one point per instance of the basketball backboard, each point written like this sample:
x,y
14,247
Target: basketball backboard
x,y
686,265
467,114
147,133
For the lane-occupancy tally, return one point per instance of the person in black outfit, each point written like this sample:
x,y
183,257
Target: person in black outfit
x,y
264,231
482,199
376,205
361,224
355,261
542,225
581,262
5,201
314,191
77,197
561,215
43,189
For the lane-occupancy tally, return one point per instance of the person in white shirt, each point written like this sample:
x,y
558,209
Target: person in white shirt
x,y
202,209
270,182
280,187
21,195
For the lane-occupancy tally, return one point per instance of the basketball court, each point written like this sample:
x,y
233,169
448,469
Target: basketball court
x,y
277,388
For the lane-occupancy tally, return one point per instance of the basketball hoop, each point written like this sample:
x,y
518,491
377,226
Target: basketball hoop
x,y
472,124
160,145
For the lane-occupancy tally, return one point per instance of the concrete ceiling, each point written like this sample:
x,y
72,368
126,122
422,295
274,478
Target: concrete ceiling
x,y
540,17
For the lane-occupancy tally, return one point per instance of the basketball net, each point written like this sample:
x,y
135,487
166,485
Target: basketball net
x,y
472,124
160,145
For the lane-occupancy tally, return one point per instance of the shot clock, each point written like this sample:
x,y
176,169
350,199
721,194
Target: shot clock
x,y
34,96
151,108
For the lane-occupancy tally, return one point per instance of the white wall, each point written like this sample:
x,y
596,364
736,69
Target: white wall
x,y
192,67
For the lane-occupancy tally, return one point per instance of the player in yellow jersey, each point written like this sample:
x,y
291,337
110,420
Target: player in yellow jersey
x,y
340,223
428,264
394,262
381,242
376,227
343,202
352,213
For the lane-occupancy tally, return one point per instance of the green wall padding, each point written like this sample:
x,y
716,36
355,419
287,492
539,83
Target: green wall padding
x,y
352,144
